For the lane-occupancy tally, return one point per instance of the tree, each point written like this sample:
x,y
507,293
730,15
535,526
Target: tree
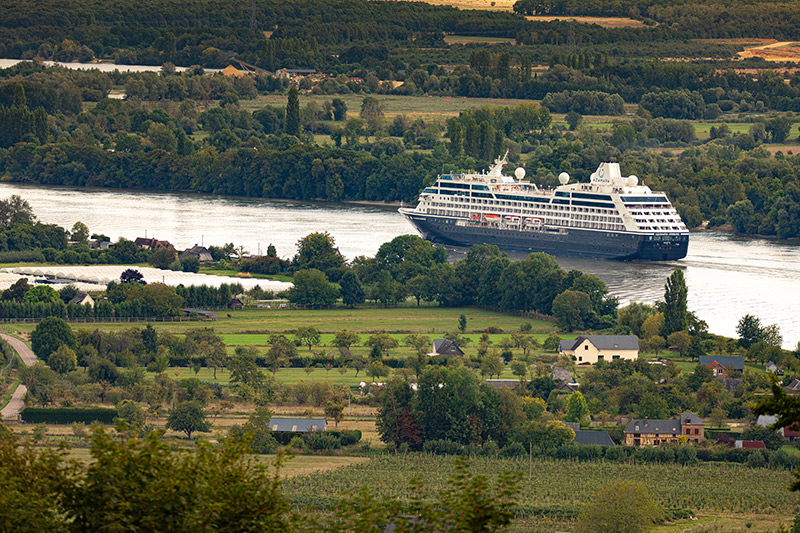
x,y
344,339
62,360
749,330
131,276
190,264
17,290
49,335
188,417
281,349
620,507
377,370
675,295
308,335
372,112
491,365
681,341
15,210
79,233
771,438
317,250
41,294
292,123
339,109
577,409
335,411
311,287
163,257
542,434
351,289
244,369
778,128
462,323
573,310
383,342
573,119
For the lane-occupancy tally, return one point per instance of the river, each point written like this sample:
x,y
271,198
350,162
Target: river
x,y
727,276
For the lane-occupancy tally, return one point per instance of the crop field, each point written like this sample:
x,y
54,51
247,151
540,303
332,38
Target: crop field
x,y
470,39
605,22
430,108
553,496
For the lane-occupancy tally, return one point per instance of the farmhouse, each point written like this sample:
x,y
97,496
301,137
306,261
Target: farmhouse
x,y
657,432
82,299
722,365
445,348
200,252
151,244
589,349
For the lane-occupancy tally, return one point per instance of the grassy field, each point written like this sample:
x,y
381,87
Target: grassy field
x,y
403,320
553,495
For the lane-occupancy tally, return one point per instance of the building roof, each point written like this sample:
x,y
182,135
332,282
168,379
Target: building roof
x,y
446,348
794,386
661,427
502,383
751,444
152,244
691,418
297,425
566,386
603,342
80,298
590,437
200,252
728,361
562,374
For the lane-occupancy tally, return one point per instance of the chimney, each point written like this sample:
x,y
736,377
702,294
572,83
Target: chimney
x,y
645,421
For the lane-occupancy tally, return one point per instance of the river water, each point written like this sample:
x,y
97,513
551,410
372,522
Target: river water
x,y
727,276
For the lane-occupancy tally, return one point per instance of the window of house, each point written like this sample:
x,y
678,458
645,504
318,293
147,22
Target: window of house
x,y
585,346
601,357
614,357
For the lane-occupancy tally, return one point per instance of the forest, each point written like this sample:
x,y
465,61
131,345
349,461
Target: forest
x,y
191,131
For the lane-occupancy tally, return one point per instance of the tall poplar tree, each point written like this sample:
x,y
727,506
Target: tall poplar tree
x,y
675,296
292,126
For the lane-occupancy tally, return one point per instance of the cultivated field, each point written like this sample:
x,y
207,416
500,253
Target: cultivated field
x,y
718,495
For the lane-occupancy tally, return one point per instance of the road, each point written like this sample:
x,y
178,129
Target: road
x,y
15,405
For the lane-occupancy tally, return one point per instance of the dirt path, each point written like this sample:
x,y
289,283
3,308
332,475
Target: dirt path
x,y
15,405
781,51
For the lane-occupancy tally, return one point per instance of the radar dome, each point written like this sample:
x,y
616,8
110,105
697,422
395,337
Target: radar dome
x,y
563,178
632,181
519,173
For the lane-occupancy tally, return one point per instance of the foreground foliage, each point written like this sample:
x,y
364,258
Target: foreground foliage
x,y
137,484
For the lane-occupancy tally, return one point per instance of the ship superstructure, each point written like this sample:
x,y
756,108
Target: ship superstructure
x,y
611,216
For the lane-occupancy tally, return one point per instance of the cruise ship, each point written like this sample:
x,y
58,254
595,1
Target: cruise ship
x,y
610,217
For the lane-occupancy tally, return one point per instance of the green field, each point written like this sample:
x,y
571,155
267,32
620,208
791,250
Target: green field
x,y
402,320
553,496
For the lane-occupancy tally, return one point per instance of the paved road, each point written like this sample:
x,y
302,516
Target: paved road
x,y
15,405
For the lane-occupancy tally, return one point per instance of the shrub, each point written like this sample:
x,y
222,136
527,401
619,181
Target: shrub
x,y
68,415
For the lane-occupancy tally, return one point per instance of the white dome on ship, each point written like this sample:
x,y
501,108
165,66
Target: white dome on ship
x,y
632,181
519,173
563,178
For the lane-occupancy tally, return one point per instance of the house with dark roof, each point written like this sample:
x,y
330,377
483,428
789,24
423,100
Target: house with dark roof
x,y
772,368
645,432
445,348
568,387
589,349
82,299
200,252
235,303
588,437
722,365
296,425
151,244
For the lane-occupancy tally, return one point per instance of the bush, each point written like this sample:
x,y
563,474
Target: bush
x,y
322,441
68,415
512,450
443,447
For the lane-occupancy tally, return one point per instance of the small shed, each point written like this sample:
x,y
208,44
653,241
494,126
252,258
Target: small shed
x,y
200,252
82,299
235,303
751,444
